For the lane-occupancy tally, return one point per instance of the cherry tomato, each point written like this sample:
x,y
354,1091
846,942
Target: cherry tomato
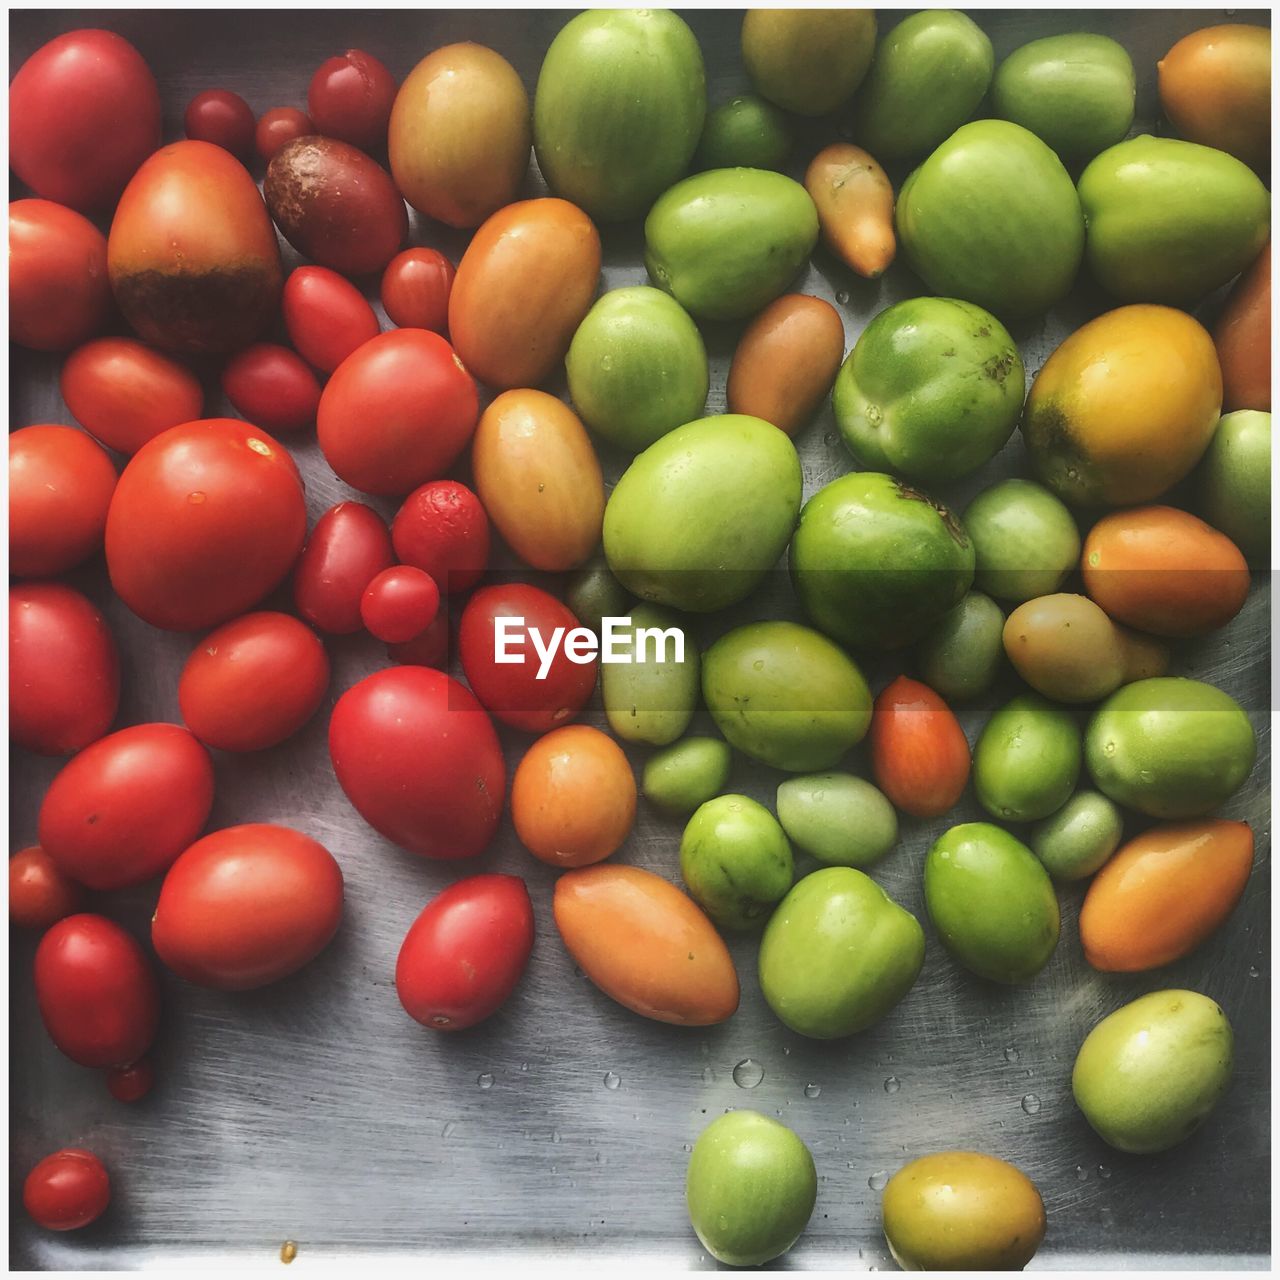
x,y
350,98
512,692
463,956
442,529
400,603
430,649
223,118
121,811
277,127
60,486
97,992
326,316
253,682
64,669
39,893
415,289
247,906
919,754
272,387
419,759
67,1190
84,113
347,549
59,292
131,1083
207,519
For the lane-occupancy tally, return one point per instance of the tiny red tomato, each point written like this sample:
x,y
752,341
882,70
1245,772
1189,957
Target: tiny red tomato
x,y
430,649
272,387
67,1190
349,546
350,98
131,1083
400,603
223,118
278,126
442,529
39,893
326,316
415,289
919,754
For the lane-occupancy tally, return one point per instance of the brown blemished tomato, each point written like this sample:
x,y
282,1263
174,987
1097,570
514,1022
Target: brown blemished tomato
x,y
415,289
326,316
1242,336
349,546
39,893
919,754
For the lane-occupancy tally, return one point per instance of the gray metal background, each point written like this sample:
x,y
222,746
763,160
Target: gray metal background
x,y
315,1111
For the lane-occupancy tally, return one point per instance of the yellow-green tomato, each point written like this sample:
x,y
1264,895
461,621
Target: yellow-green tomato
x,y
686,774
1074,842
960,655
807,60
837,818
1027,760
1025,541
652,697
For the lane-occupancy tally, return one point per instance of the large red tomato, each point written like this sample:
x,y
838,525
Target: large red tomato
x,y
207,519
246,906
347,549
67,1190
419,758
463,956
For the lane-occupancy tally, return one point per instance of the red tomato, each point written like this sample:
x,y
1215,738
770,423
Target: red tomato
x,y
67,1190
223,118
919,754
415,289
278,126
207,519
121,811
442,529
64,670
272,387
84,113
430,649
347,549
419,759
60,486
131,1083
247,906
512,692
97,992
39,894
59,292
463,956
399,604
350,98
326,316
253,682
125,393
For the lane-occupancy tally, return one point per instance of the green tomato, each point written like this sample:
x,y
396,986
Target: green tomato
x,y
960,655
651,698
1235,481
686,774
1025,540
837,818
744,133
1075,842
1027,760
593,593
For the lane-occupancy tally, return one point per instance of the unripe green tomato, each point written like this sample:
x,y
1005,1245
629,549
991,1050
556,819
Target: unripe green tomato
x,y
1075,842
837,818
686,774
1025,541
744,133
1027,760
653,697
593,593
960,656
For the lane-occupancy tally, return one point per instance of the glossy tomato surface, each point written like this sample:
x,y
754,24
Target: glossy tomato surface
x,y
442,529
223,118
400,603
350,98
415,289
272,387
919,753
277,128
67,1190
39,893
326,316
349,546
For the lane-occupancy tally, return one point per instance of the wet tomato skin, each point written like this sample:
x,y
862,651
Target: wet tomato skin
x,y
278,127
349,546
326,316
919,753
442,529
415,289
67,1190
39,893
350,98
223,118
400,603
272,387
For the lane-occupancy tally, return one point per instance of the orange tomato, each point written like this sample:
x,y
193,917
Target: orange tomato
x,y
1243,338
919,754
1164,893
855,207
646,944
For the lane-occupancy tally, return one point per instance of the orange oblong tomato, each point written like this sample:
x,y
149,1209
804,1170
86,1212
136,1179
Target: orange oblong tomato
x,y
919,754
854,198
1164,893
1242,336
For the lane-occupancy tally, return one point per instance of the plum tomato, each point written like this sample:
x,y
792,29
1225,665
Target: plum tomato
x,y
272,387
277,127
347,549
67,1190
253,682
441,528
122,810
512,691
64,669
415,289
60,486
400,603
246,906
131,1083
430,649
350,98
463,956
919,754
39,893
326,316
223,118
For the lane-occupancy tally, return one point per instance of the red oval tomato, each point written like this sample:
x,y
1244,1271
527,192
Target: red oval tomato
x,y
121,811
430,649
60,486
59,290
84,113
919,754
350,98
67,1190
347,549
419,759
277,127
442,529
39,893
272,386
512,691
223,118
97,992
253,682
131,1083
400,603
415,289
64,669
246,906
326,316
463,956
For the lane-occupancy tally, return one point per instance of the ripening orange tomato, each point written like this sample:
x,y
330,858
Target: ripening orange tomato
x,y
919,753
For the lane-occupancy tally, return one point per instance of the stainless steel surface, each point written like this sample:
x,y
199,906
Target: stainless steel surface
x,y
315,1111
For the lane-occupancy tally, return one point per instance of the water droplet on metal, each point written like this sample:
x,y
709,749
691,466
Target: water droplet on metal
x,y
892,1084
1253,971
485,1080
708,1075
612,1080
555,1136
842,298
812,1090
1103,1171
1082,1174
1011,1054
1031,1104
878,1180
748,1073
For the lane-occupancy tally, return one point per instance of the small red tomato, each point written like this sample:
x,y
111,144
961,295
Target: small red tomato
x,y
526,691
247,906
60,486
131,1083
400,603
442,529
430,649
253,682
272,387
277,127
347,549
463,956
350,98
121,811
223,118
415,289
67,1190
39,893
919,754
97,992
64,669
326,316
59,293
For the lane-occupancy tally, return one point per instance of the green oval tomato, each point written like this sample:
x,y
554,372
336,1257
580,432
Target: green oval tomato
x,y
838,954
1074,91
991,902
593,593
932,390
785,695
1170,220
1027,760
808,60
1170,747
1235,481
751,1188
1148,1075
700,517
686,774
726,242
837,818
1074,842
618,110
876,563
1025,541
744,133
927,78
993,217
961,653
652,697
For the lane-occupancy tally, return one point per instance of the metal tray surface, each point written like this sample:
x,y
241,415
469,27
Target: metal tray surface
x,y
315,1111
